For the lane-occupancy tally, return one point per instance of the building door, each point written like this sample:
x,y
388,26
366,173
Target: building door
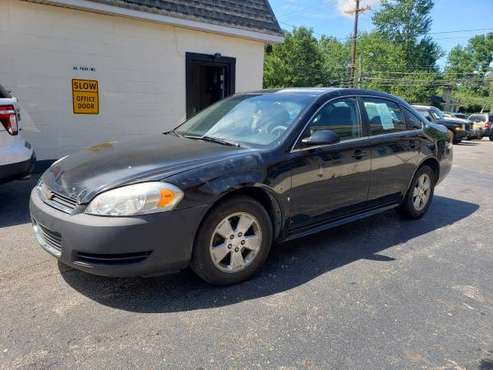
x,y
209,78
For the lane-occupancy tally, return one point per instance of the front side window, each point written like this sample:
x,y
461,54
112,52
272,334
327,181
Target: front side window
x,y
340,116
384,116
412,121
250,119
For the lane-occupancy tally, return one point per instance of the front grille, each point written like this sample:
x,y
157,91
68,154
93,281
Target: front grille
x,y
61,202
64,202
111,259
49,237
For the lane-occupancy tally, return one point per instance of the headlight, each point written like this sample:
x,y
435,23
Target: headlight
x,y
138,199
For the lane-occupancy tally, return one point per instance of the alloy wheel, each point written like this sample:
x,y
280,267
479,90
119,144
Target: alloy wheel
x,y
235,242
422,192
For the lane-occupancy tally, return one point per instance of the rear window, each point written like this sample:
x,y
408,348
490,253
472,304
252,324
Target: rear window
x,y
478,117
4,93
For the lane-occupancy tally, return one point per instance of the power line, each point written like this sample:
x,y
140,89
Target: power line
x,y
429,33
459,31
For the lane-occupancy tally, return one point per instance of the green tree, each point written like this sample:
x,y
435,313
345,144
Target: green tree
x,y
407,23
336,57
470,69
382,65
294,63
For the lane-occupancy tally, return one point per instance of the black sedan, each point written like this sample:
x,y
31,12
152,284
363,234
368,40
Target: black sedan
x,y
458,129
252,170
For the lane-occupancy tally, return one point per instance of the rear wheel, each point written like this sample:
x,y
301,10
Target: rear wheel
x,y
420,194
233,242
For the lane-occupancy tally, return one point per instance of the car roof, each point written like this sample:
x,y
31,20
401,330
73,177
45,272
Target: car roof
x,y
421,106
322,91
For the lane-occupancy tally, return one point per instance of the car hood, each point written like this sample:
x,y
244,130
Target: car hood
x,y
457,120
90,171
450,122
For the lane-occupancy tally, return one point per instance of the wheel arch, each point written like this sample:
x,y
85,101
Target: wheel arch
x,y
431,162
261,195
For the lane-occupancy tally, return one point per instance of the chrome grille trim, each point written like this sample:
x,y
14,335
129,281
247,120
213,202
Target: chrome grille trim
x,y
50,240
56,200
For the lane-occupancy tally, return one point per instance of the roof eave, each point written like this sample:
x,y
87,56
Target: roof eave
x,y
267,38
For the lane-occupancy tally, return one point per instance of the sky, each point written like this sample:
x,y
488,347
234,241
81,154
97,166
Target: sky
x,y
326,17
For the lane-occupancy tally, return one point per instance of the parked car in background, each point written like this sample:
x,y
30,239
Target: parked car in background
x,y
17,156
483,122
251,170
458,129
455,115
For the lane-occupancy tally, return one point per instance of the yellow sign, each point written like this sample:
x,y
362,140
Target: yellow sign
x,y
85,96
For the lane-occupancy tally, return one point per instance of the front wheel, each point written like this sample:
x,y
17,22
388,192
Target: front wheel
x,y
233,242
420,194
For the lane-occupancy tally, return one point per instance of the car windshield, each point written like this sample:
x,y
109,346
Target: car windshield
x,y
249,119
437,113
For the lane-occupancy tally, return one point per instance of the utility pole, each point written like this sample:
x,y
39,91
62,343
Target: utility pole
x,y
356,12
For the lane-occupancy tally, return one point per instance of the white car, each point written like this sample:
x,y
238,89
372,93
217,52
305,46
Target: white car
x,y
483,122
17,156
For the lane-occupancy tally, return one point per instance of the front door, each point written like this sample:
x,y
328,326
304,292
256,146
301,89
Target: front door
x,y
330,181
209,78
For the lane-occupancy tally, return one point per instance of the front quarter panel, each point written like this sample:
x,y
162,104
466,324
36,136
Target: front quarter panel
x,y
209,183
443,149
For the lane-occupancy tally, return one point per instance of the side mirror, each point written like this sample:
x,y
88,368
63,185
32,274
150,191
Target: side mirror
x,y
321,137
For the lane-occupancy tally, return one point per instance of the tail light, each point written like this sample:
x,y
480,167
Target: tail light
x,y
8,118
487,124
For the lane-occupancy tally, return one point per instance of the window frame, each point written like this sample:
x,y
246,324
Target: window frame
x,y
364,129
367,120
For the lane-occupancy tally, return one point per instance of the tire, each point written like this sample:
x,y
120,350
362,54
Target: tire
x,y
251,249
409,207
491,138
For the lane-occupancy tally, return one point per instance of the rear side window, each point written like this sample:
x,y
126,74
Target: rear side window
x,y
384,116
340,116
4,93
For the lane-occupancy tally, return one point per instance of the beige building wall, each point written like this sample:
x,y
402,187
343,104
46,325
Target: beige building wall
x,y
140,67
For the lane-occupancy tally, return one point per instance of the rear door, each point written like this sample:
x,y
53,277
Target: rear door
x,y
395,148
330,181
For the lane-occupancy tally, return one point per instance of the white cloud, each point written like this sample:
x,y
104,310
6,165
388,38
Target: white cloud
x,y
347,5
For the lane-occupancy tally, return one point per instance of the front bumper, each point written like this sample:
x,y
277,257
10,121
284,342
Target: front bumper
x,y
474,134
17,170
459,135
117,246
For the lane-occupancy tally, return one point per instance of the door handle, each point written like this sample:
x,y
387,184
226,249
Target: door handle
x,y
359,154
412,144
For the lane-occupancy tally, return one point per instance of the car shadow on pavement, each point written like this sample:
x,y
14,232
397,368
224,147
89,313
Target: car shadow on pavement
x,y
14,202
290,265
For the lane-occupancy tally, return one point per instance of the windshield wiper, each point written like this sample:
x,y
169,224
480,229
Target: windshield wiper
x,y
212,140
171,132
219,140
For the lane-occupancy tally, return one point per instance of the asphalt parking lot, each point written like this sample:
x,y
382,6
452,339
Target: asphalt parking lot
x,y
380,293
